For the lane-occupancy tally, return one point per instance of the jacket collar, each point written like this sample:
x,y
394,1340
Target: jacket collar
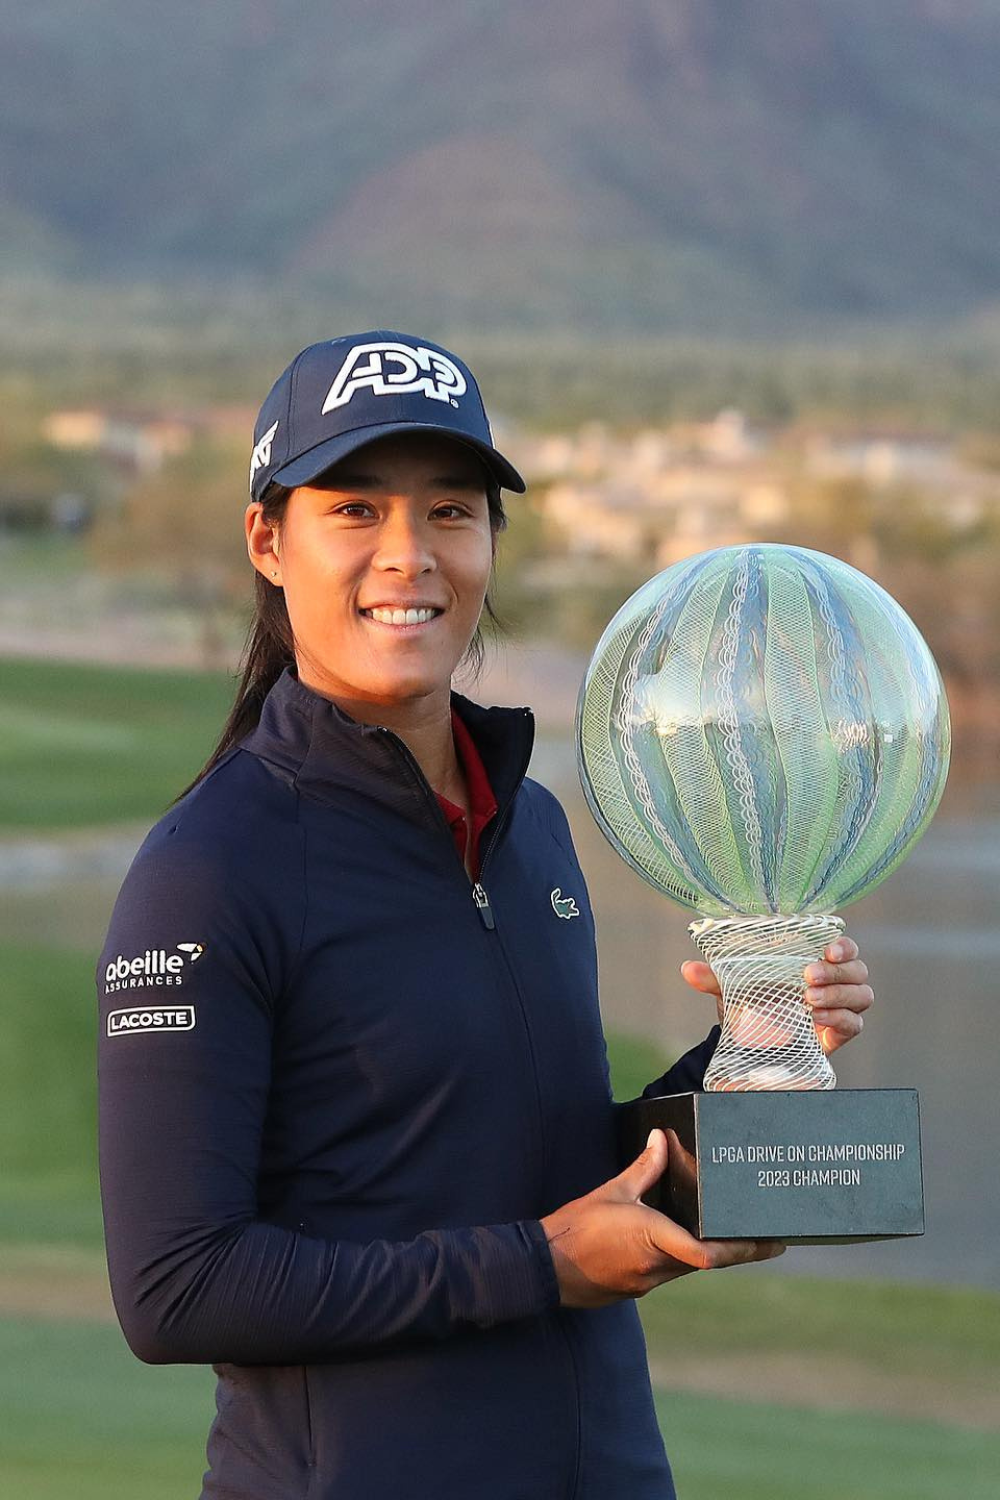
x,y
321,749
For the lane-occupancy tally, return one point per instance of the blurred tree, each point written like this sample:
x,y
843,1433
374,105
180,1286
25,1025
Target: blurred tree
x,y
183,527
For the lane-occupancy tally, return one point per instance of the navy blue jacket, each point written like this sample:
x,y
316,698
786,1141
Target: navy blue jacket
x,y
339,1087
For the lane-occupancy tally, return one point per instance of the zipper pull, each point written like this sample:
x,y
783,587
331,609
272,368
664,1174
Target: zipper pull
x,y
481,899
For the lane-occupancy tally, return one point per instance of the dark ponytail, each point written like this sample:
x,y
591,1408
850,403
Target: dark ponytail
x,y
269,647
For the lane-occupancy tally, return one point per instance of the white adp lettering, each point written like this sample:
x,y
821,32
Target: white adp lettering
x,y
395,369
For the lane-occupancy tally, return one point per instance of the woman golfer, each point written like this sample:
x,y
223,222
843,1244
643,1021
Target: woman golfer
x,y
356,1126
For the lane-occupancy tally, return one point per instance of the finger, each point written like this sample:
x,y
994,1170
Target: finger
x,y
836,1027
640,1174
701,977
842,1026
855,972
836,997
846,1023
721,1253
676,1244
841,950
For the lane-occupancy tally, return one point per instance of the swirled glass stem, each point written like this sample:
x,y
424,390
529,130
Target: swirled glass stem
x,y
768,1038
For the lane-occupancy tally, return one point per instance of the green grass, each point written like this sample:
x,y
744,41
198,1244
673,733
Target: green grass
x,y
37,557
895,1328
82,744
634,1063
79,1416
48,1188
724,1449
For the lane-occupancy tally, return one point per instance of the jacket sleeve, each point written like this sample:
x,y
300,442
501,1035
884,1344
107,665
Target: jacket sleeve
x,y
187,983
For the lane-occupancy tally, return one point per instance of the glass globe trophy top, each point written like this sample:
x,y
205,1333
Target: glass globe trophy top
x,y
762,734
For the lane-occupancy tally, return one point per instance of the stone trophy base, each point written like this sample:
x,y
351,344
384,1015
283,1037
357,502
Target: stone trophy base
x,y
806,1166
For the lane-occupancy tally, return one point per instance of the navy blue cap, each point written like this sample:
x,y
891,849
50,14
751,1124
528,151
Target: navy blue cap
x,y
338,395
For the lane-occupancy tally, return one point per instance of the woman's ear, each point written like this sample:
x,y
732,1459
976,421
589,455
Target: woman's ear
x,y
263,543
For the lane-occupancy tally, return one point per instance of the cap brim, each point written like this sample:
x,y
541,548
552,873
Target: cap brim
x,y
310,465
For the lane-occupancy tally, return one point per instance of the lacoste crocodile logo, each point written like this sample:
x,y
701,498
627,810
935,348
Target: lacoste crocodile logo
x,y
563,906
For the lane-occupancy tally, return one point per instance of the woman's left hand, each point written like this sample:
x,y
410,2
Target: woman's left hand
x,y
838,991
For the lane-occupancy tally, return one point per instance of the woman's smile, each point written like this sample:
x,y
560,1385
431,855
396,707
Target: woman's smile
x,y
401,617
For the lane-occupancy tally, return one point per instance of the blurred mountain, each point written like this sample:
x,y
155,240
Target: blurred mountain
x,y
642,164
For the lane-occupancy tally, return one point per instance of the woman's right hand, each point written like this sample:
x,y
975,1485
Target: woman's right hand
x,y
607,1245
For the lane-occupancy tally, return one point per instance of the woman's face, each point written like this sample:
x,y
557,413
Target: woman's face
x,y
402,523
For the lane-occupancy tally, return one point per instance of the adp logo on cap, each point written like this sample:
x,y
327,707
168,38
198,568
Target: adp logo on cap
x,y
332,400
395,370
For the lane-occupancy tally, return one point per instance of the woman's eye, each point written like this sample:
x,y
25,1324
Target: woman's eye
x,y
360,508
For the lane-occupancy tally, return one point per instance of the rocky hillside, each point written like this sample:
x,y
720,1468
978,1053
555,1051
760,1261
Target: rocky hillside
x,y
653,164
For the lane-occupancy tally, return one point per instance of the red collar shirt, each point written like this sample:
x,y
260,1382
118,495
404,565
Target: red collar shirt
x,y
482,803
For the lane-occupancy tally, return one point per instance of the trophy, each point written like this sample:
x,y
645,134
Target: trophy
x,y
763,735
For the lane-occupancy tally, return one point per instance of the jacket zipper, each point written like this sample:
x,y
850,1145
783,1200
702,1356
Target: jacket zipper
x,y
482,903
479,894
478,891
